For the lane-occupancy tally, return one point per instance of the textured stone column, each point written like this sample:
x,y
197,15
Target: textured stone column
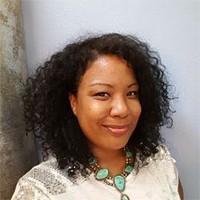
x,y
17,151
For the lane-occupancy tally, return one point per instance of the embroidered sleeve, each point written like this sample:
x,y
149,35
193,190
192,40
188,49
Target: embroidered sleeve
x,y
170,168
27,190
161,173
166,172
43,182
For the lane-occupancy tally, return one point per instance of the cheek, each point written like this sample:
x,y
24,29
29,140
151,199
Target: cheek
x,y
139,109
98,106
93,109
94,106
136,110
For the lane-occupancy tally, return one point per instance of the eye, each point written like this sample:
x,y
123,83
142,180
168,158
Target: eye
x,y
102,95
132,94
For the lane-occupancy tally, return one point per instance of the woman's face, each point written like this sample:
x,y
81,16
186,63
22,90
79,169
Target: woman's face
x,y
107,105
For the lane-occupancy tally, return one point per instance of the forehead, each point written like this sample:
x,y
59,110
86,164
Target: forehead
x,y
109,68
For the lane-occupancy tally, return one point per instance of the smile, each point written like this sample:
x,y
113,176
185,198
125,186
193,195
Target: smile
x,y
118,130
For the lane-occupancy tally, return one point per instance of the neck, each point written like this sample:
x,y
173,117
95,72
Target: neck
x,y
114,160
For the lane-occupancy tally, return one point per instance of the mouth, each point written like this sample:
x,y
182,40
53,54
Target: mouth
x,y
117,130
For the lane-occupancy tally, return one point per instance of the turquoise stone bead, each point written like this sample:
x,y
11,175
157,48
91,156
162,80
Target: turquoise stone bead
x,y
129,154
124,197
92,161
128,169
119,182
102,174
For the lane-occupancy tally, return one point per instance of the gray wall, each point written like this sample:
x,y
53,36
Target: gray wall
x,y
171,27
17,151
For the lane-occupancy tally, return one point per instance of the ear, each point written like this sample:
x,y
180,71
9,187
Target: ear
x,y
73,103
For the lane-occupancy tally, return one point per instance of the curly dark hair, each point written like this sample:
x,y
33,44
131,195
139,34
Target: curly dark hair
x,y
48,112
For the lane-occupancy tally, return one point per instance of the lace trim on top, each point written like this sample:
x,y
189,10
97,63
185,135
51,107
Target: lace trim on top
x,y
46,179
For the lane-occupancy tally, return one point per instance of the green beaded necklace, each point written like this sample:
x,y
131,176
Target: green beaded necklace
x,y
119,180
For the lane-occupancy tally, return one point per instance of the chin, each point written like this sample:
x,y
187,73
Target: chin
x,y
117,146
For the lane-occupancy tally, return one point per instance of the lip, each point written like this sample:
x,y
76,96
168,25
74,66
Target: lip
x,y
117,130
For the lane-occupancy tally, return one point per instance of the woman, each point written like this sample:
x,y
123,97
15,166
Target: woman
x,y
97,107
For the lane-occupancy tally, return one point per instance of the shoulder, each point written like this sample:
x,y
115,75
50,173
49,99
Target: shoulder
x,y
42,182
163,154
160,173
162,166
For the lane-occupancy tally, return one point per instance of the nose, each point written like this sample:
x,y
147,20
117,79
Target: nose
x,y
119,108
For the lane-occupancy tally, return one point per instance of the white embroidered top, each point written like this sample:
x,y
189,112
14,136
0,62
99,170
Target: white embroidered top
x,y
158,180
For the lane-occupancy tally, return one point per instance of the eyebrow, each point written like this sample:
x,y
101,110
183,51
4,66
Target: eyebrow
x,y
109,85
